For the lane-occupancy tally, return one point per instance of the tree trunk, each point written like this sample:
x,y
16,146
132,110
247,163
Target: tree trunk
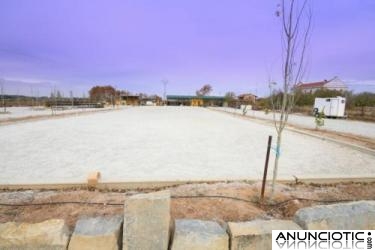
x,y
276,164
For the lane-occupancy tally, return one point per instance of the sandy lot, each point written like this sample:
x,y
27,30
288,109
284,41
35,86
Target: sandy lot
x,y
163,143
361,128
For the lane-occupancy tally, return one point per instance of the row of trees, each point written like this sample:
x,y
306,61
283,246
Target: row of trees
x,y
108,94
364,99
103,94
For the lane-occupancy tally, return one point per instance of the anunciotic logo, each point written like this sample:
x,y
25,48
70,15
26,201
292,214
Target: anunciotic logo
x,y
322,239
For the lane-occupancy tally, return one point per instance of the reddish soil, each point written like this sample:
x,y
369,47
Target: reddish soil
x,y
283,205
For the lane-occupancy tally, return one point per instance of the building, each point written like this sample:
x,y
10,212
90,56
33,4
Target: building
x,y
189,100
333,84
152,100
247,98
128,99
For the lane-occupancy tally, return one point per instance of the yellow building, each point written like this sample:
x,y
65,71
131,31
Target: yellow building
x,y
197,102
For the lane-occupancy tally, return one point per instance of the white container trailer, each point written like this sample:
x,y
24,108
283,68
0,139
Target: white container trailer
x,y
331,106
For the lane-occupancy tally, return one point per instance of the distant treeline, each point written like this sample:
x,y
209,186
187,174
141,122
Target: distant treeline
x,y
20,100
364,99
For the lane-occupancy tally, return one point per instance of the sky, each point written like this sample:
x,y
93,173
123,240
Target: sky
x,y
233,45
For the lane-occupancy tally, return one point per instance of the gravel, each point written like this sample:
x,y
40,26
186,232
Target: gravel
x,y
164,143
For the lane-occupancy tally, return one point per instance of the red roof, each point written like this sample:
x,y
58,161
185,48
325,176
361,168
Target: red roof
x,y
312,84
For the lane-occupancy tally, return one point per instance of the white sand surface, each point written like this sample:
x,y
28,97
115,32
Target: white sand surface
x,y
163,143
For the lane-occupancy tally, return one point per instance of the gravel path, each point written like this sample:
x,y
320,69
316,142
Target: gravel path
x,y
163,143
366,129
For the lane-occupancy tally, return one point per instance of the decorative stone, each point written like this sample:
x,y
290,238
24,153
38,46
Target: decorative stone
x,y
199,234
97,233
93,179
146,221
343,216
50,234
257,234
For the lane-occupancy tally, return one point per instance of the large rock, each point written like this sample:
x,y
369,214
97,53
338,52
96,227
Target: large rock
x,y
345,216
97,233
50,234
146,221
198,234
256,234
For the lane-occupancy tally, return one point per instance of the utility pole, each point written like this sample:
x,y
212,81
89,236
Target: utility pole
x,y
165,82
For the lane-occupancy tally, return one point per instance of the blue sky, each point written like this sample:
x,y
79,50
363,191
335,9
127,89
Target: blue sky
x,y
133,45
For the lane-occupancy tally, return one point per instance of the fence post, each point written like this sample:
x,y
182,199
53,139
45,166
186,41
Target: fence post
x,y
266,168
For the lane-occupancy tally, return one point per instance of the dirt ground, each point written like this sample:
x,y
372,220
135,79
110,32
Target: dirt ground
x,y
222,202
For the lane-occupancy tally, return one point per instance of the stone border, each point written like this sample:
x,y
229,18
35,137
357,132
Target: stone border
x,y
165,184
146,225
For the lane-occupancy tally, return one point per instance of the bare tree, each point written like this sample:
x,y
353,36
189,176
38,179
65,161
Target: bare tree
x,y
205,90
71,97
230,98
32,96
3,98
37,97
295,17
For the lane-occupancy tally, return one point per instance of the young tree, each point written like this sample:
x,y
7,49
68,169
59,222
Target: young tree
x,y
295,17
205,90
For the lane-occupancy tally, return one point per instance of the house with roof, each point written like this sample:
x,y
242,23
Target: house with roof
x,y
333,84
129,99
247,98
